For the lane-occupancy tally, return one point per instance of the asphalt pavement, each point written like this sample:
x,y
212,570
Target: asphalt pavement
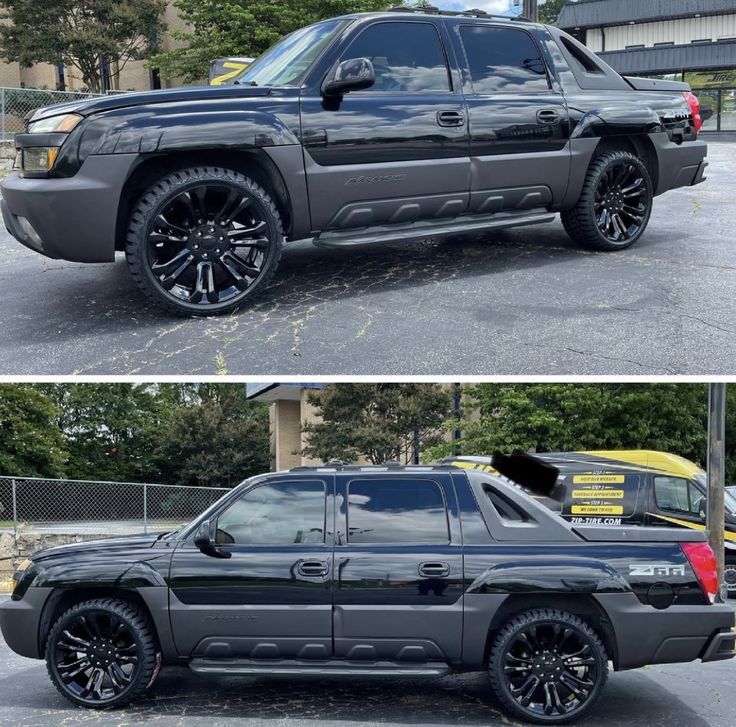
x,y
683,695
523,301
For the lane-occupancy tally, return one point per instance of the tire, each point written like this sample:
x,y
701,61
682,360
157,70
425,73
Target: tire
x,y
202,241
730,575
592,223
521,690
117,634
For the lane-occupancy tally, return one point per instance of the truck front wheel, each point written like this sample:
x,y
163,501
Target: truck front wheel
x,y
203,240
615,204
102,653
547,666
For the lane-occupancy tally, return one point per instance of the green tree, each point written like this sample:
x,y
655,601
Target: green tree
x,y
550,11
376,421
216,438
112,430
30,443
81,33
566,417
221,28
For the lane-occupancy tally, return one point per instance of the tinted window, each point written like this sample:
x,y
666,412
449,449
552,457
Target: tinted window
x,y
676,494
396,511
407,57
502,60
282,513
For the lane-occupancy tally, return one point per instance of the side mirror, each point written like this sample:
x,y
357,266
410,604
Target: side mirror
x,y
204,539
354,74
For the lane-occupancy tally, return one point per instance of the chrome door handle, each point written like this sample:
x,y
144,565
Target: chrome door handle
x,y
312,568
434,569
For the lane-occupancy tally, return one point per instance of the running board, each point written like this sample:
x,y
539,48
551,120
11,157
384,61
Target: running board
x,y
332,667
430,228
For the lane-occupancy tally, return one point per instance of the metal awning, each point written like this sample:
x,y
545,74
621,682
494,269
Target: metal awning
x,y
673,58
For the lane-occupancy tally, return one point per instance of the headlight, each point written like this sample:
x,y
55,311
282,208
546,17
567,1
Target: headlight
x,y
63,123
39,158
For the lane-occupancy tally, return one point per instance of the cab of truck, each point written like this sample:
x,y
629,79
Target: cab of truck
x,y
628,487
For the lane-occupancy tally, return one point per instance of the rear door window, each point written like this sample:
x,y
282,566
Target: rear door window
x,y
503,60
400,510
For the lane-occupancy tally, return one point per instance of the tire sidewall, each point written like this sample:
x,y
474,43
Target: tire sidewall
x,y
149,208
141,680
730,564
606,161
509,633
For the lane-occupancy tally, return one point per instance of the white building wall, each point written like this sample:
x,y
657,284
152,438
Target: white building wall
x,y
681,31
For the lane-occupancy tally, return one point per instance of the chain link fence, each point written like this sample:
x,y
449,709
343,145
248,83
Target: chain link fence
x,y
83,507
15,103
37,513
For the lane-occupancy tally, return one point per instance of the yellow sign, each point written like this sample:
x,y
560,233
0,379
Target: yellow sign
x,y
597,510
588,494
598,479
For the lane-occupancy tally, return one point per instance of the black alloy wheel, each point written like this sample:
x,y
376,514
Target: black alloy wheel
x,y
615,204
101,654
729,575
203,240
548,666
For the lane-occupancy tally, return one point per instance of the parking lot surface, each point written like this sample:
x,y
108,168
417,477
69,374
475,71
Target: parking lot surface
x,y
684,695
523,301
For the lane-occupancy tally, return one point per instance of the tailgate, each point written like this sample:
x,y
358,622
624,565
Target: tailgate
x,y
617,534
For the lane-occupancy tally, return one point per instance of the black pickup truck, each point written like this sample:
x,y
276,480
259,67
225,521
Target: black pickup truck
x,y
376,570
362,129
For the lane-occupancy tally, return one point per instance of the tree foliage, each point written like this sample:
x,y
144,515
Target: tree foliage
x,y
218,442
550,11
222,28
549,417
81,33
30,443
376,421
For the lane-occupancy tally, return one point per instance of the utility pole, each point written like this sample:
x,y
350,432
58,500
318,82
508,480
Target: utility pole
x,y
531,10
716,466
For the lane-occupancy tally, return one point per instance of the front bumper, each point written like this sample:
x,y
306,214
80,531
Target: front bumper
x,y
645,635
20,620
72,218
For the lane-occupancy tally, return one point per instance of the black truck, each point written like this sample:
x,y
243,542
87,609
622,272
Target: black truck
x,y
373,570
361,129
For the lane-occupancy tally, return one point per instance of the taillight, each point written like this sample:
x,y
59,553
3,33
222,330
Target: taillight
x,y
694,104
703,562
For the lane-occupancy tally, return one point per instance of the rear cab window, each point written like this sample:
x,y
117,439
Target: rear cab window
x,y
400,510
503,60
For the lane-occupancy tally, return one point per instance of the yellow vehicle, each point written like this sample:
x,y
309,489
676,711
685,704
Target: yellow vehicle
x,y
223,71
621,487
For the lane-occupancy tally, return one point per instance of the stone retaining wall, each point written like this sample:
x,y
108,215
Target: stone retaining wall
x,y
12,553
7,155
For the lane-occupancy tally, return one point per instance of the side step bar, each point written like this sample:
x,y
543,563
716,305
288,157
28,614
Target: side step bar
x,y
332,667
431,228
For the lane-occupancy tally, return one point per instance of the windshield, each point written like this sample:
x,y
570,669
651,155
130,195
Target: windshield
x,y
286,62
728,499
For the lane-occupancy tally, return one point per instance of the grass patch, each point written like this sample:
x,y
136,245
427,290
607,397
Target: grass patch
x,y
6,523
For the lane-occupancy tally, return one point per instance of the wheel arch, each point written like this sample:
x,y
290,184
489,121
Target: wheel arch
x,y
584,606
254,163
63,599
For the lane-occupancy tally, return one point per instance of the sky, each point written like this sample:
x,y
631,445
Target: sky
x,y
490,6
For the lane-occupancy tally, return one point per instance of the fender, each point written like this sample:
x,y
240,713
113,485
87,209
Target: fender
x,y
616,121
219,123
546,575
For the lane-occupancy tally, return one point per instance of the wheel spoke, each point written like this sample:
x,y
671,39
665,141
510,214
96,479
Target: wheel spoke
x,y
67,634
249,270
161,221
205,283
199,202
163,268
242,206
619,225
633,188
244,231
169,281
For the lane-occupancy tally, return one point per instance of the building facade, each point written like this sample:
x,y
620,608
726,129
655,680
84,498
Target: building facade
x,y
688,40
134,76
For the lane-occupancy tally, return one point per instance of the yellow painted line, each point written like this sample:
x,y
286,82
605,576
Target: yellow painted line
x,y
607,494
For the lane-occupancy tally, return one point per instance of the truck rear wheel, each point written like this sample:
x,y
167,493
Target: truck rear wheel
x,y
615,204
102,653
203,240
729,575
547,666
